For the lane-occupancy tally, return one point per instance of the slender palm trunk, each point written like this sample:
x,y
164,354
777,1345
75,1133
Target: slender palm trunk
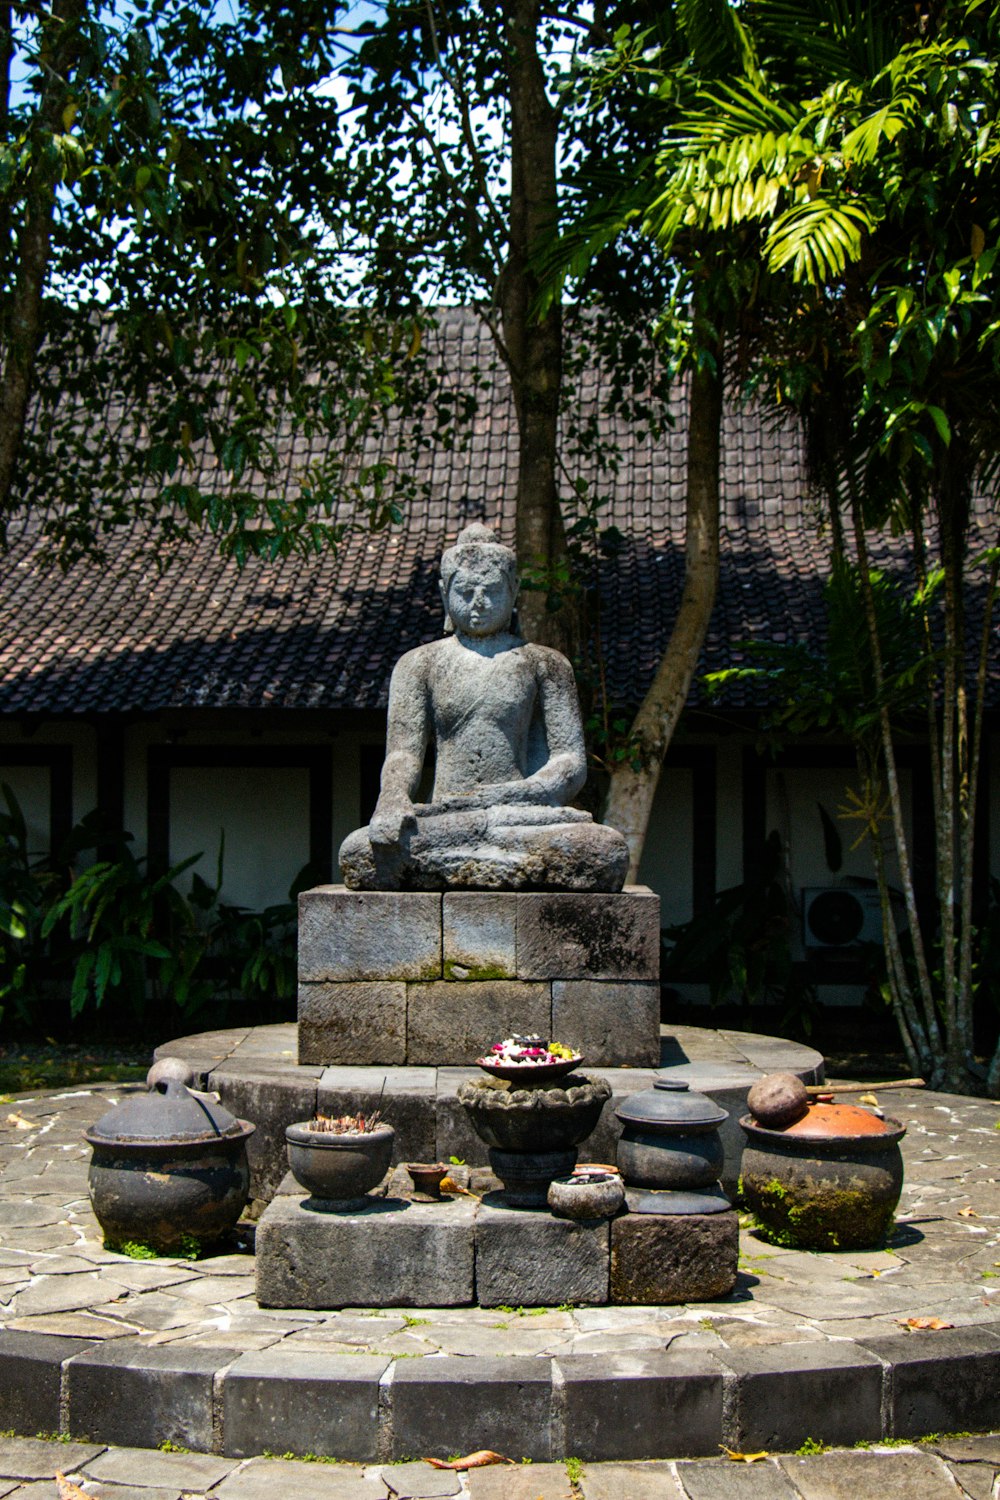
x,y
919,1009
633,787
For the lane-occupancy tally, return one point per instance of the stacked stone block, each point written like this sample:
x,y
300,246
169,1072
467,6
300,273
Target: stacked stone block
x,y
393,1252
426,977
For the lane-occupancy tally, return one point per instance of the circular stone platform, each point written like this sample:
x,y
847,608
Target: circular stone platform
x,y
818,1346
256,1072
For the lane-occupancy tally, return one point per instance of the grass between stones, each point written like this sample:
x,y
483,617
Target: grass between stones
x,y
29,1066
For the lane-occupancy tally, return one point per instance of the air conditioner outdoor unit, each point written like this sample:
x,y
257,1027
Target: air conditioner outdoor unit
x,y
838,916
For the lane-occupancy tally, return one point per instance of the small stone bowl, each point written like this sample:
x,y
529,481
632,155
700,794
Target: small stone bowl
x,y
427,1176
586,1195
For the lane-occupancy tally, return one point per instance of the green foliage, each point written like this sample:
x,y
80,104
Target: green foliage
x,y
25,888
109,934
134,1249
189,1248
741,946
832,689
191,174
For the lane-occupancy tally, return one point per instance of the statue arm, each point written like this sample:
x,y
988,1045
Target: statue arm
x,y
565,771
407,734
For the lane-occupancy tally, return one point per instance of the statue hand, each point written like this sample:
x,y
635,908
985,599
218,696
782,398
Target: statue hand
x,y
389,820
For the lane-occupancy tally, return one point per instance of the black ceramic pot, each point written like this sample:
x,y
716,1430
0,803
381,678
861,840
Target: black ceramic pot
x,y
168,1167
338,1168
670,1138
837,1192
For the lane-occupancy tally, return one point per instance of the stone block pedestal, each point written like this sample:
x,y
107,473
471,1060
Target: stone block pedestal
x,y
396,1251
659,1259
425,977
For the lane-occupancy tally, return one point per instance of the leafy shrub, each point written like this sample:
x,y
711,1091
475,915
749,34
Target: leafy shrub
x,y
112,937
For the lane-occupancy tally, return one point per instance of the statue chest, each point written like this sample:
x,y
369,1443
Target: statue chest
x,y
497,694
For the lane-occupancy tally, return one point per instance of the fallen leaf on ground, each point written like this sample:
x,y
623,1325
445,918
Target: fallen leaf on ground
x,y
743,1458
967,1213
477,1460
931,1323
68,1490
869,1099
19,1122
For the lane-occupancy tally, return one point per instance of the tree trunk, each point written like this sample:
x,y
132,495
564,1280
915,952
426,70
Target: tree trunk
x,y
534,343
59,53
633,786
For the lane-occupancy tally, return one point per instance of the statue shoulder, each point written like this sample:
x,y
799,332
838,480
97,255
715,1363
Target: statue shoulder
x,y
550,663
417,662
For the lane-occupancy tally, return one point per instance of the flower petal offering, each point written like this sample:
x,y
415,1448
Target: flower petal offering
x,y
527,1058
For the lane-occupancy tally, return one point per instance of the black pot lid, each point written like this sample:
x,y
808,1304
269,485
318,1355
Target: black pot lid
x,y
166,1114
671,1105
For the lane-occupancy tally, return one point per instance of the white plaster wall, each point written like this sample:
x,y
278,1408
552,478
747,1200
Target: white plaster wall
x,y
666,857
265,814
264,810
792,797
81,740
30,786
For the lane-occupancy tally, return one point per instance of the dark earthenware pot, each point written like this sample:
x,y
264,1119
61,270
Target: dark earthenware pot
x,y
338,1168
831,1192
670,1138
168,1166
427,1177
549,1117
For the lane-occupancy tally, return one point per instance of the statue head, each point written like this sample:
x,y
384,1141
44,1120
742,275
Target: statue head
x,y
478,583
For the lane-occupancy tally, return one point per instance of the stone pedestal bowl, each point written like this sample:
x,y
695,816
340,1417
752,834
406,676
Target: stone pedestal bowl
x,y
533,1132
338,1169
549,1117
836,1191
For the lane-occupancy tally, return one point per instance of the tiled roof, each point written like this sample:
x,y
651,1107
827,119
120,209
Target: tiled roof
x,y
325,633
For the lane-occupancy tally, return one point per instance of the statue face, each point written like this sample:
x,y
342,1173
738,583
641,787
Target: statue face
x,y
479,600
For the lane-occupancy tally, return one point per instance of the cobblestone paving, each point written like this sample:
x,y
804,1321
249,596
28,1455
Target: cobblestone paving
x,y
937,1470
56,1276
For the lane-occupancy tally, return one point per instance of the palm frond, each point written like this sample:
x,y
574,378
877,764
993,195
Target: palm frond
x,y
862,143
850,39
818,238
724,110
720,44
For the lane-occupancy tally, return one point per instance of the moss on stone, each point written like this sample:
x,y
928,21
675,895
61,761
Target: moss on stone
x,y
826,1221
471,972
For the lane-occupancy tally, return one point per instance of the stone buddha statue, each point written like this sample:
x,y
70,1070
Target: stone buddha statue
x,y
505,720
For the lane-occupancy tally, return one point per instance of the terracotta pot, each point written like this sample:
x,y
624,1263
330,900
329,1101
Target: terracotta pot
x,y
825,1183
427,1177
338,1168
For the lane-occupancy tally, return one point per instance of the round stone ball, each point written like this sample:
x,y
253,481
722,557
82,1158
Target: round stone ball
x,y
169,1069
777,1100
